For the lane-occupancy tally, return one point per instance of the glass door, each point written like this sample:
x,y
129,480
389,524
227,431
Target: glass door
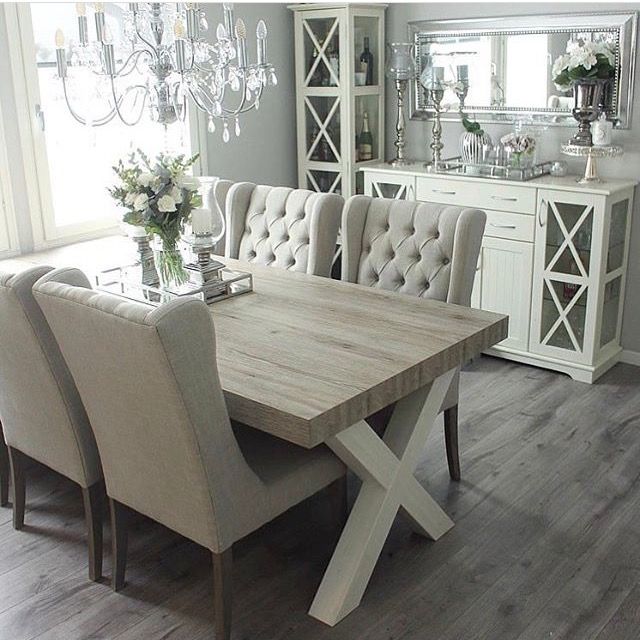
x,y
566,274
323,101
73,162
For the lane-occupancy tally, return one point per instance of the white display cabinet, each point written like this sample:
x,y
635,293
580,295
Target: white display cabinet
x,y
330,99
553,258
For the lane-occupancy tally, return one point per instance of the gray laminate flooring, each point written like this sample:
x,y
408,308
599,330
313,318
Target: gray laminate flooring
x,y
546,543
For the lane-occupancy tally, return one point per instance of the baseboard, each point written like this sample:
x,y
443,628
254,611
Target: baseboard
x,y
630,357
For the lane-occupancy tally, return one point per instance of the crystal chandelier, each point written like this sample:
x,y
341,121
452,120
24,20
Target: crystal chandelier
x,y
164,61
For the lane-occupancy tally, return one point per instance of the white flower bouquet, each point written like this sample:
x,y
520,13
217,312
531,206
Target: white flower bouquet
x,y
160,197
519,145
584,61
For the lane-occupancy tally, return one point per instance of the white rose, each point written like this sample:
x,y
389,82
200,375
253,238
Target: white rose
x,y
187,182
166,204
129,198
176,194
140,202
145,179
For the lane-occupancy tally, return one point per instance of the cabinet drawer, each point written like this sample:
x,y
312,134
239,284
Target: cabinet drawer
x,y
504,197
512,226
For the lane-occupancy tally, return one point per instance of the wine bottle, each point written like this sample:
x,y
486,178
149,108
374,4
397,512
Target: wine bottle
x,y
366,63
365,141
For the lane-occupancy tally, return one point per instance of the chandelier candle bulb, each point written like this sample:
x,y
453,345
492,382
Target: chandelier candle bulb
x,y
261,34
241,40
228,18
108,53
98,16
181,57
192,22
61,56
201,222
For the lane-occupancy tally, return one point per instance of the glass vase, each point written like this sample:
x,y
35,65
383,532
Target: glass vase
x,y
169,264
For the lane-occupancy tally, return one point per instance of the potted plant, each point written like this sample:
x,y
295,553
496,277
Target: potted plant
x,y
588,68
159,196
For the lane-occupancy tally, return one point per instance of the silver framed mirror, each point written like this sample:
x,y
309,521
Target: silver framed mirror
x,y
506,64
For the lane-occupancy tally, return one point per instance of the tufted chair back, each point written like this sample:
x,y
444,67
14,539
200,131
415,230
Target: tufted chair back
x,y
422,249
292,229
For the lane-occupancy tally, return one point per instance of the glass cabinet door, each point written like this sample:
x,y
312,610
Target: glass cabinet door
x,y
566,274
389,185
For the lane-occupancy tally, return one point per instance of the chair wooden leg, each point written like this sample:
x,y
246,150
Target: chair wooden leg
x,y
17,462
338,499
119,537
222,593
93,504
451,441
4,472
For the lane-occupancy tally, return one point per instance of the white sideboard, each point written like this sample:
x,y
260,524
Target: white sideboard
x,y
553,257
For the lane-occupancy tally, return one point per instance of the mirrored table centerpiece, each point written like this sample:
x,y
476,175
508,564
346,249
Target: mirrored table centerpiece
x,y
126,282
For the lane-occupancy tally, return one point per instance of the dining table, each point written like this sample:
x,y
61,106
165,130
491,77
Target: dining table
x,y
308,359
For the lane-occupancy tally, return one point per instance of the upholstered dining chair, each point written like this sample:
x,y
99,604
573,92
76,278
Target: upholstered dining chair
x,y
149,380
42,415
292,229
4,471
420,249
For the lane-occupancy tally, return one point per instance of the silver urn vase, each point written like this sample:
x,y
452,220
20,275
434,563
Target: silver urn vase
x,y
473,146
589,98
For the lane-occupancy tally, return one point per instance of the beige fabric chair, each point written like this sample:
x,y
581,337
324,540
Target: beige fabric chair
x,y
292,229
42,414
421,249
4,471
149,380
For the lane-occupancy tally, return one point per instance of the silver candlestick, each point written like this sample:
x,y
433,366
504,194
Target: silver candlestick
x,y
401,69
399,160
436,94
147,263
205,270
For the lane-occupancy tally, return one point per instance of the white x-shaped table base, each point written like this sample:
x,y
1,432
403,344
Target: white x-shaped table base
x,y
386,467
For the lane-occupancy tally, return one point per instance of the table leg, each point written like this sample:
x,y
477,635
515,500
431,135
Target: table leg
x,y
386,467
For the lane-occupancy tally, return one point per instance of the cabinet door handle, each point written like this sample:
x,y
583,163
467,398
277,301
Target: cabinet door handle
x,y
502,226
540,210
504,199
446,193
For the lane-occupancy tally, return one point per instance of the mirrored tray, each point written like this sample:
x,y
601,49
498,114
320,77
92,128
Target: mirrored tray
x,y
497,172
126,282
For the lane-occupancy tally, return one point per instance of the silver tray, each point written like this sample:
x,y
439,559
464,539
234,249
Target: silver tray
x,y
456,166
125,282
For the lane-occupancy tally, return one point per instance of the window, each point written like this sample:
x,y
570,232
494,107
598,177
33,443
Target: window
x,y
73,162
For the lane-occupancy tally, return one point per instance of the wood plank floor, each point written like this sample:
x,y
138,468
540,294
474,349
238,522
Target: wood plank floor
x,y
546,542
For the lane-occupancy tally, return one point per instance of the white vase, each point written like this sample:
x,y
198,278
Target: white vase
x,y
472,146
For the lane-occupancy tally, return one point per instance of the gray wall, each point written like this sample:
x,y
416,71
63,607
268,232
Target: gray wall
x,y
265,152
418,135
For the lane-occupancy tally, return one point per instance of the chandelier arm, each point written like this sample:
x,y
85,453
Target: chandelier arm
x,y
149,44
83,121
200,104
232,113
136,54
118,101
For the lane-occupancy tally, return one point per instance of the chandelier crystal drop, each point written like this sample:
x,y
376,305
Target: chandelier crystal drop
x,y
162,60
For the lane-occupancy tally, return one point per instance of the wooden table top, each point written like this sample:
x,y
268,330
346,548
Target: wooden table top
x,y
303,357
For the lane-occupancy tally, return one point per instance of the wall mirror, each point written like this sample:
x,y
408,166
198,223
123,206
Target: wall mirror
x,y
506,64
